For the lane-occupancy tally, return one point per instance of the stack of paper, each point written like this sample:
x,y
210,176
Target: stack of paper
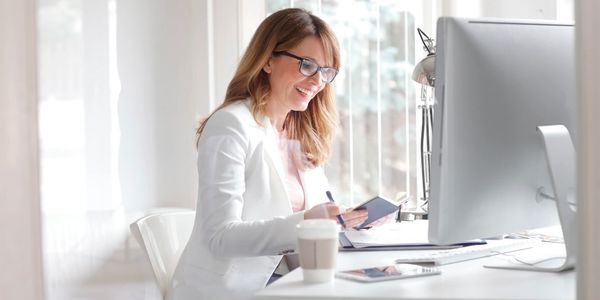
x,y
396,236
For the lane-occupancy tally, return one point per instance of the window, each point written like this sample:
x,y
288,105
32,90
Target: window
x,y
375,150
78,128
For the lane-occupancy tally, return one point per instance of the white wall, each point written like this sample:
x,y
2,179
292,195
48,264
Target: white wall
x,y
158,103
175,60
20,228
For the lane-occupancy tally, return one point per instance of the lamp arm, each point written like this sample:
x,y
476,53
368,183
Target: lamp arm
x,y
427,41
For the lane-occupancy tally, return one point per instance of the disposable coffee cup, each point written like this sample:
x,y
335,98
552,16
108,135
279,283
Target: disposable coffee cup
x,y
318,247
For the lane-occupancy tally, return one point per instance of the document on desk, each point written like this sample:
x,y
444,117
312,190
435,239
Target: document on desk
x,y
397,236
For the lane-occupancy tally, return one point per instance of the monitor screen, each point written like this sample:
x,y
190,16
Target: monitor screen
x,y
496,81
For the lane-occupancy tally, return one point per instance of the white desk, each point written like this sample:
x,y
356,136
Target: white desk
x,y
465,280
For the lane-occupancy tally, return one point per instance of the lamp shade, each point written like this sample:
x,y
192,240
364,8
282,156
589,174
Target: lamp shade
x,y
424,72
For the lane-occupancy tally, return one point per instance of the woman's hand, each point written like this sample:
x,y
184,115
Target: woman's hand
x,y
323,211
331,210
354,217
391,218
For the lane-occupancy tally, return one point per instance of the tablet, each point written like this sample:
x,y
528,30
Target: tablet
x,y
397,271
377,207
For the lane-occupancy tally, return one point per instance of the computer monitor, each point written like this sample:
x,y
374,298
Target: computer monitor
x,y
496,81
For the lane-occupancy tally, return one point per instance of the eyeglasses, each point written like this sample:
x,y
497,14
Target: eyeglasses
x,y
309,68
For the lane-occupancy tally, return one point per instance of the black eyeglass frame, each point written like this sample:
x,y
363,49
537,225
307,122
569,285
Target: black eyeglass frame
x,y
302,60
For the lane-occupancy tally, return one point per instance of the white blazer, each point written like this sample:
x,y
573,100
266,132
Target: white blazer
x,y
244,220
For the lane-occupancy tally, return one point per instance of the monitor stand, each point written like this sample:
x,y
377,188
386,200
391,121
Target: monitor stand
x,y
560,156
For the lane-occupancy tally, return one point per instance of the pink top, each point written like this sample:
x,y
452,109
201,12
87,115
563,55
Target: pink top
x,y
287,149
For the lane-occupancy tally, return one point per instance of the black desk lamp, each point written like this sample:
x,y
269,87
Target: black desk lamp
x,y
424,73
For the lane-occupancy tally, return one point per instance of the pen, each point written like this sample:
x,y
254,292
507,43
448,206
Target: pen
x,y
339,217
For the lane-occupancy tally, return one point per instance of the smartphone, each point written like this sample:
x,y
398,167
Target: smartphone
x,y
397,271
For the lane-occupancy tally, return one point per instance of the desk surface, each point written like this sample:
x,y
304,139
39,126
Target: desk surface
x,y
465,280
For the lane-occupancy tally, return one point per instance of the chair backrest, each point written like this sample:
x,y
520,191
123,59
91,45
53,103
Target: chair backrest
x,y
163,235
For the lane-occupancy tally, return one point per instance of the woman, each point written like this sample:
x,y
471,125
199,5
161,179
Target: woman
x,y
259,161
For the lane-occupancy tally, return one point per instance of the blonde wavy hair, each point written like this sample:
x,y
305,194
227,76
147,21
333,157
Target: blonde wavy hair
x,y
315,127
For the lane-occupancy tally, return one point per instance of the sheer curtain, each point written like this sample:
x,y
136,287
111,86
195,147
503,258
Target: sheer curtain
x,y
118,104
120,97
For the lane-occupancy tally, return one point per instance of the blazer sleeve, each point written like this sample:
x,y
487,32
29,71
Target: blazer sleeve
x,y
221,165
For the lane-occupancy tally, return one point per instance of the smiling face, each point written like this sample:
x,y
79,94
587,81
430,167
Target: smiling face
x,y
290,90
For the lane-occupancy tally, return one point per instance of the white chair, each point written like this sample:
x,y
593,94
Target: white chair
x,y
163,235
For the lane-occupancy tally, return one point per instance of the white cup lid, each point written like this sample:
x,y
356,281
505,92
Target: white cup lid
x,y
317,229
